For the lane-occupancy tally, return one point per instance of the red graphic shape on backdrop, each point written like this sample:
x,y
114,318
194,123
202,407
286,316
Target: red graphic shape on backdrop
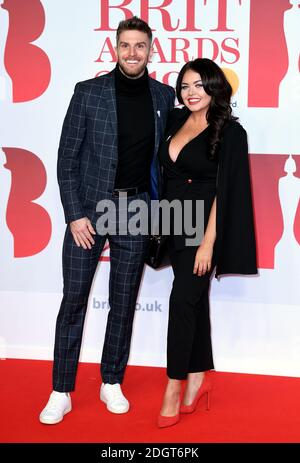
x,y
27,65
268,59
266,170
28,222
102,257
297,216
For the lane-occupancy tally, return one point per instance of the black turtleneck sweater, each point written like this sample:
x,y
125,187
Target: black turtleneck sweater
x,y
135,131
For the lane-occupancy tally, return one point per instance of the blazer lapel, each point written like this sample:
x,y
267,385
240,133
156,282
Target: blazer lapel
x,y
156,113
110,98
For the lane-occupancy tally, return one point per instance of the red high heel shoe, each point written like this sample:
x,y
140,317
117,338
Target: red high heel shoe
x,y
165,421
205,388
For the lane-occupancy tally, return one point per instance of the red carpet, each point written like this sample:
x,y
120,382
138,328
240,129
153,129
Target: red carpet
x,y
244,408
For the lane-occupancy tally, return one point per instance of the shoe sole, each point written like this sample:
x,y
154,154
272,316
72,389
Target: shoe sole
x,y
45,421
113,410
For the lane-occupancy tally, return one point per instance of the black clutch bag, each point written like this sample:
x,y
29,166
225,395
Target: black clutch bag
x,y
157,255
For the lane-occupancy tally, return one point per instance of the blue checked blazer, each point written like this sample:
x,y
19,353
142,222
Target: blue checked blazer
x,y
88,149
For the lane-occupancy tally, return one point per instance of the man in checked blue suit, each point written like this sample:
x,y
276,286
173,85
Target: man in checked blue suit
x,y
109,143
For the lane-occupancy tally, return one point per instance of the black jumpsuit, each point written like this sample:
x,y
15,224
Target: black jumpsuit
x,y
192,176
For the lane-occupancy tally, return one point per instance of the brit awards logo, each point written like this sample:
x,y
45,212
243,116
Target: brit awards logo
x,y
274,86
26,224
273,52
24,75
25,70
277,209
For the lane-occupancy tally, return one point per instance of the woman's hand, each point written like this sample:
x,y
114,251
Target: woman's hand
x,y
203,259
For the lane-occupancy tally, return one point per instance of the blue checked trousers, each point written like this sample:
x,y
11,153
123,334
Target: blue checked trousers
x,y
79,265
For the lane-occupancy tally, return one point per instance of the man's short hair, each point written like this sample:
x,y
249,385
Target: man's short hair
x,y
134,24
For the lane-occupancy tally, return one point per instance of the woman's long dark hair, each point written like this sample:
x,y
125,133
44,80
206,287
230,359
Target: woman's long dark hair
x,y
217,86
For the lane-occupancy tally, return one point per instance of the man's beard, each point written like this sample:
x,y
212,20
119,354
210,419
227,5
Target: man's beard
x,y
133,74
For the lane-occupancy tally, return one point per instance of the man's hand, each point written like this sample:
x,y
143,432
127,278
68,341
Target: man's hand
x,y
82,231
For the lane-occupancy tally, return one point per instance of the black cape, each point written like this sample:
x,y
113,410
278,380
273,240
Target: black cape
x,y
235,243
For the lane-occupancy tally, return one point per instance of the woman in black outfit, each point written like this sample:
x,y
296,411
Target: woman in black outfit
x,y
204,157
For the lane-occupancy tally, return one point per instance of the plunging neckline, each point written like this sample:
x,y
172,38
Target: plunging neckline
x,y
184,146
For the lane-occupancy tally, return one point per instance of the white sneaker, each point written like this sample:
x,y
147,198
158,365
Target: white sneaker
x,y
112,396
58,405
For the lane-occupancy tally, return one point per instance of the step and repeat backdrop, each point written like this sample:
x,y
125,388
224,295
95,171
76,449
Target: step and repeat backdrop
x,y
45,48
